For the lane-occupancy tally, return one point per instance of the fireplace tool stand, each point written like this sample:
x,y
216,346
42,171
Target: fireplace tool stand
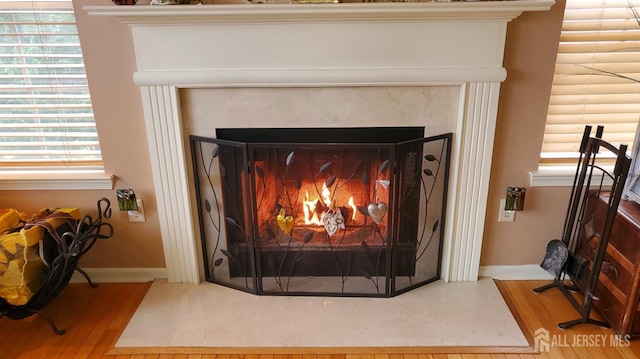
x,y
563,260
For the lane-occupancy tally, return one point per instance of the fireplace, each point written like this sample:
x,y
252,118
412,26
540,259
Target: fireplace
x,y
280,51
322,211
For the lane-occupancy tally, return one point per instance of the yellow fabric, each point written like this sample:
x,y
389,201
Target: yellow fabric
x,y
21,268
9,219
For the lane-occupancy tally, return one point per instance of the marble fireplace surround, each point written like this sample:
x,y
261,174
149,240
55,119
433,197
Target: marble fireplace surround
x,y
351,45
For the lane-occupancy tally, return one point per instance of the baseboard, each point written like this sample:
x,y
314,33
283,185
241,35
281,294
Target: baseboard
x,y
515,272
120,275
140,275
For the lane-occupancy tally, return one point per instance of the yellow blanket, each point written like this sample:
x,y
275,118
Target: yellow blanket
x,y
21,268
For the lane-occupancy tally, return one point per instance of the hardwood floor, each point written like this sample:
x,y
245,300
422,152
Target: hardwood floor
x,y
95,317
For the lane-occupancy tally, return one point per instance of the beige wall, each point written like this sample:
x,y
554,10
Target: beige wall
x,y
109,58
531,48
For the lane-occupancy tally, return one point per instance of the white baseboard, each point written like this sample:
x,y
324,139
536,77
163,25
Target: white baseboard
x,y
120,275
515,272
141,275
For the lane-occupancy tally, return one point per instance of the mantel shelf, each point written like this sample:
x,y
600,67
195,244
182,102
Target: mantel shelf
x,y
391,11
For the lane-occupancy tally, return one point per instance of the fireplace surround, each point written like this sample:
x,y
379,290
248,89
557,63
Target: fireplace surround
x,y
324,47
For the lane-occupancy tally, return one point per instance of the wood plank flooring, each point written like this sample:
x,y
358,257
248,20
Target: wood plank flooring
x,y
95,317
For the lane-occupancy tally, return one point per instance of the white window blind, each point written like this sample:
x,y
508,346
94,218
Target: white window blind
x,y
46,118
597,77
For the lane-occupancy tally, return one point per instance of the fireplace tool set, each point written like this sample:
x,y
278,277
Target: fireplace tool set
x,y
579,255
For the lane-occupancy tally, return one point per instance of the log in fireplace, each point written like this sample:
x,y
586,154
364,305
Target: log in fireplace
x,y
322,211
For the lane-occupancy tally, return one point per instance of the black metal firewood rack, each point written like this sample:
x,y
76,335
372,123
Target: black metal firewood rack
x,y
68,244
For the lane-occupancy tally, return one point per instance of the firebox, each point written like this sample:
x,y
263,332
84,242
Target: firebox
x,y
322,211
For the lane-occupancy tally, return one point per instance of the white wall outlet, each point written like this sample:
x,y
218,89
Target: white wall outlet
x,y
505,215
137,216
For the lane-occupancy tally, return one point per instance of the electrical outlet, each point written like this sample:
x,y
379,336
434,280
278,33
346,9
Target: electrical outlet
x,y
505,215
137,216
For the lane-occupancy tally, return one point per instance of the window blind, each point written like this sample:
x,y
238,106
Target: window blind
x,y
46,118
597,77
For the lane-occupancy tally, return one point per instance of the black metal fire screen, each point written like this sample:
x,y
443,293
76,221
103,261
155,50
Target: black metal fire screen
x,y
331,212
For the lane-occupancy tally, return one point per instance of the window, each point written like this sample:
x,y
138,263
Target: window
x,y
46,119
597,77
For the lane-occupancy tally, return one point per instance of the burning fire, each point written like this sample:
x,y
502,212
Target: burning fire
x,y
309,206
353,207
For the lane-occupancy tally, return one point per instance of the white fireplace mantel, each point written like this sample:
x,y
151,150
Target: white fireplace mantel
x,y
322,45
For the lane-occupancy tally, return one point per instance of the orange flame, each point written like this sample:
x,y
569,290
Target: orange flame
x,y
353,206
309,206
309,209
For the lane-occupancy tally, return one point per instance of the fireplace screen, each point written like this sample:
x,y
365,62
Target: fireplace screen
x,y
332,212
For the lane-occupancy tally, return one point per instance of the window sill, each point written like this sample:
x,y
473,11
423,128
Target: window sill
x,y
55,180
557,176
